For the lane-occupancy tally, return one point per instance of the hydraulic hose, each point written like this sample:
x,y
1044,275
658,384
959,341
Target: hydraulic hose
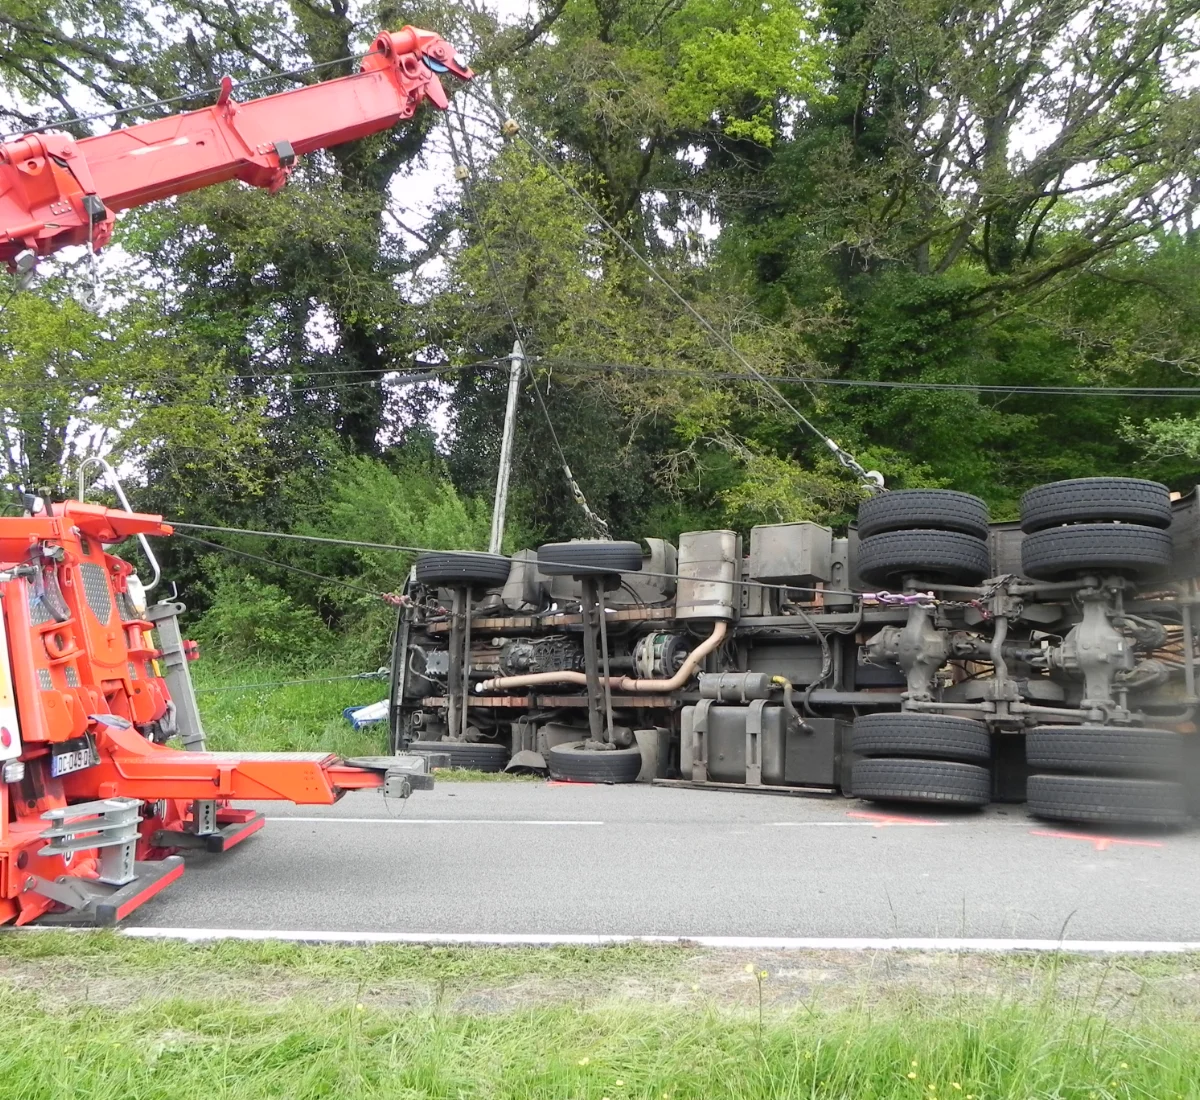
x,y
616,683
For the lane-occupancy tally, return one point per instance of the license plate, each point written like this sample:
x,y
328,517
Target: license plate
x,y
66,762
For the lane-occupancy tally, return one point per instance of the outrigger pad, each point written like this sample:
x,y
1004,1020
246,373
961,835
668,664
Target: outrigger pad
x,y
108,904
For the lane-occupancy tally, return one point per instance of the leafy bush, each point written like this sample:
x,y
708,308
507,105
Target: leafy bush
x,y
409,502
251,619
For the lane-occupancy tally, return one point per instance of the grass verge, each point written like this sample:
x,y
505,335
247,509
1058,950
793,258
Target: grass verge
x,y
92,1016
250,710
284,717
469,775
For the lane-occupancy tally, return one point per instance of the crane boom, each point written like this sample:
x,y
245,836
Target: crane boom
x,y
56,191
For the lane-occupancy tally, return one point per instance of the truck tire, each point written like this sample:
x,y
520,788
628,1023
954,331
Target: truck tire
x,y
937,555
575,763
928,509
885,779
467,568
1105,750
1128,549
1094,500
476,756
1088,798
589,557
926,736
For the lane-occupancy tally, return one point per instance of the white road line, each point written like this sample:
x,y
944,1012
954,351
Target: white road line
x,y
426,821
825,824
743,943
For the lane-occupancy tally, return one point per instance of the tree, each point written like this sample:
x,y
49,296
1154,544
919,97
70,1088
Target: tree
x,y
75,382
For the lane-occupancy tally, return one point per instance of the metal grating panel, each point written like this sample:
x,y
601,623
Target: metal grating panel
x,y
150,670
39,613
125,608
44,679
72,677
132,671
97,592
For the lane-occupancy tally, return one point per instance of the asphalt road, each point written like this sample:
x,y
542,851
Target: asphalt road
x,y
536,858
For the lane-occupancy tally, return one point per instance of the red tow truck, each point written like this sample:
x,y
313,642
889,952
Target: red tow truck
x,y
95,805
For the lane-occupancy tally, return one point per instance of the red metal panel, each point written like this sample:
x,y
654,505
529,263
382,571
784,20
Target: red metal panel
x,y
45,178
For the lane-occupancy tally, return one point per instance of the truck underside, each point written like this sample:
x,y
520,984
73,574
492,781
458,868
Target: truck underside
x,y
930,656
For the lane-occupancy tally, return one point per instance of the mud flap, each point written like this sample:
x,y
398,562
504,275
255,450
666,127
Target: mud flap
x,y
526,761
654,745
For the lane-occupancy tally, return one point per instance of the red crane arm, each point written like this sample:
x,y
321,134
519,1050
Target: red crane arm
x,y
55,191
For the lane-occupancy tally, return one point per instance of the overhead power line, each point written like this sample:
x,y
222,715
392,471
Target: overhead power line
x,y
844,457
337,581
435,371
875,383
325,540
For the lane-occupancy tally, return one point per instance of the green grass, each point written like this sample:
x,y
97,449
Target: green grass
x,y
90,1015
298,717
97,954
290,718
191,1038
469,775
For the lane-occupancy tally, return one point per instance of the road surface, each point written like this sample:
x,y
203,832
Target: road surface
x,y
546,859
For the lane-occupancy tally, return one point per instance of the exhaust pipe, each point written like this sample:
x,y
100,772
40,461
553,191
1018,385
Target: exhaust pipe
x,y
616,683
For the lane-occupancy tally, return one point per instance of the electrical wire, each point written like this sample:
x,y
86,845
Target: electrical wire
x,y
826,661
846,459
872,383
600,525
322,539
385,597
403,380
390,377
326,540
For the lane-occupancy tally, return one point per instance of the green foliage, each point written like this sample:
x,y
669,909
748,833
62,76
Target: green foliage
x,y
145,396
740,63
1176,436
408,503
877,191
250,705
258,621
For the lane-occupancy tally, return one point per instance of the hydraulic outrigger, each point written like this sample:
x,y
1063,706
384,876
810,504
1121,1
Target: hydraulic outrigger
x,y
94,804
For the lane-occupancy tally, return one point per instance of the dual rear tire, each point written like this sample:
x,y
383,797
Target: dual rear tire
x,y
1096,525
935,534
1106,775
931,759
1111,525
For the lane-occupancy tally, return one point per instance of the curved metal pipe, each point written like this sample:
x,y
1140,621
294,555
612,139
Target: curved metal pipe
x,y
111,474
616,683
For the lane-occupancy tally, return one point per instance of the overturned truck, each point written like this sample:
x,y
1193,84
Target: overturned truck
x,y
930,656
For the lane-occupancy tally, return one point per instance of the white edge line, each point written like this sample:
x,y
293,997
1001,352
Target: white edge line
x,y
743,943
425,821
